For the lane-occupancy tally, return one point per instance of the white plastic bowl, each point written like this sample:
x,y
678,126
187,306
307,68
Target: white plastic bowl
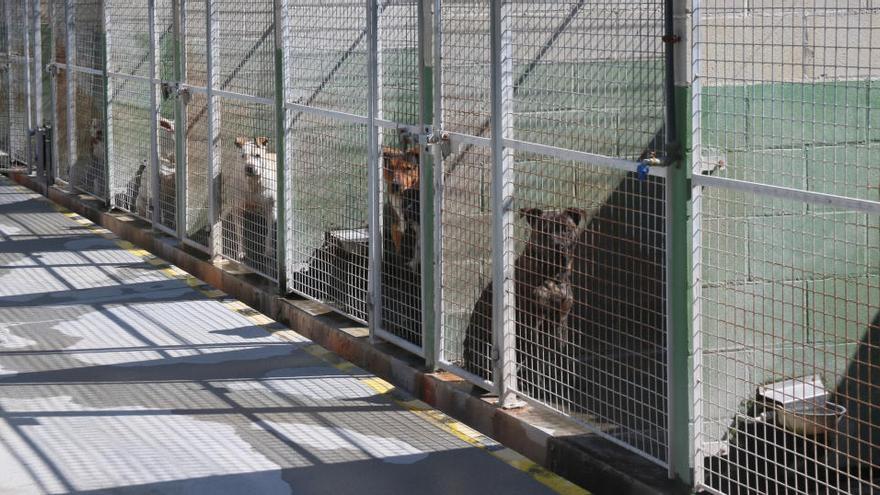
x,y
809,417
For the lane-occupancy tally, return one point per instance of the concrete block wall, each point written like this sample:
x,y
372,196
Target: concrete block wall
x,y
791,98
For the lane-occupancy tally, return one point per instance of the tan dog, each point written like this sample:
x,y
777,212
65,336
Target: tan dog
x,y
400,171
248,185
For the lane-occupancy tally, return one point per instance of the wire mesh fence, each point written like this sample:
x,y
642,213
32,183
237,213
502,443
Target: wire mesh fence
x,y
786,224
552,237
328,158
245,59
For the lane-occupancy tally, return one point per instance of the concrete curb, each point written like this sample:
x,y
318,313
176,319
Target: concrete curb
x,y
545,437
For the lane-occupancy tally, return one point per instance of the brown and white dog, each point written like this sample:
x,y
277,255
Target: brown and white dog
x,y
248,185
400,171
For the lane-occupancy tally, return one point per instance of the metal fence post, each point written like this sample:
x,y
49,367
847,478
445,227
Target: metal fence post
x,y
178,8
105,48
375,215
503,295
53,92
10,102
214,158
679,263
426,182
69,13
280,12
437,348
156,216
28,82
37,81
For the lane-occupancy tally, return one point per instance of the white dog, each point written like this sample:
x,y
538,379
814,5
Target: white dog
x,y
248,185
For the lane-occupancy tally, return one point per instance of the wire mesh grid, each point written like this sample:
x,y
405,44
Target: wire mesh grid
x,y
398,74
248,187
789,297
465,67
327,68
467,263
588,75
590,299
244,59
788,293
59,86
328,238
88,34
198,223
166,70
128,65
130,161
18,70
89,168
245,55
782,80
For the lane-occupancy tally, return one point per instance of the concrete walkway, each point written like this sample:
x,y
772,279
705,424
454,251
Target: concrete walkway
x,y
120,375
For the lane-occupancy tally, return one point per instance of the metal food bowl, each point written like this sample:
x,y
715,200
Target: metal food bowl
x,y
810,417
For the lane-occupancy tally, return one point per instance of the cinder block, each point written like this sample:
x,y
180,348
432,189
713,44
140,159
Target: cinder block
x,y
795,115
829,361
840,310
851,171
725,250
724,123
743,49
807,247
753,315
841,41
727,386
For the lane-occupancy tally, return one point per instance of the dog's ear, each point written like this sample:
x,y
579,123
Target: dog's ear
x,y
261,140
241,141
575,214
531,215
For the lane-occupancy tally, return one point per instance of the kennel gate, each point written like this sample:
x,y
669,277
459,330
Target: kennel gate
x,y
17,72
557,105
353,94
786,247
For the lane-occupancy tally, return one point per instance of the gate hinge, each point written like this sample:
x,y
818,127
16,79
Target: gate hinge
x,y
52,69
671,38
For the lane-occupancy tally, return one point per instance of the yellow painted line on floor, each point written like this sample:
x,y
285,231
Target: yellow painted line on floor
x,y
380,386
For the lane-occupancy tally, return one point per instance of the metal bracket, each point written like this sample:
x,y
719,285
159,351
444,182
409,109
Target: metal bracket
x,y
52,69
174,89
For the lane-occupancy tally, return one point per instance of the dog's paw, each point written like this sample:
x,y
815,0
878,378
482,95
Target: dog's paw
x,y
414,264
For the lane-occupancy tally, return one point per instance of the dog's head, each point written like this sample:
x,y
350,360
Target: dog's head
x,y
554,230
253,152
400,169
96,130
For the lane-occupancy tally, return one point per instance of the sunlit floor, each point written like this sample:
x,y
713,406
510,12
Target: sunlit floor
x,y
116,377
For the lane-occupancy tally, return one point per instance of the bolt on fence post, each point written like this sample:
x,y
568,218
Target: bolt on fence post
x,y
679,261
426,182
280,12
375,219
503,300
